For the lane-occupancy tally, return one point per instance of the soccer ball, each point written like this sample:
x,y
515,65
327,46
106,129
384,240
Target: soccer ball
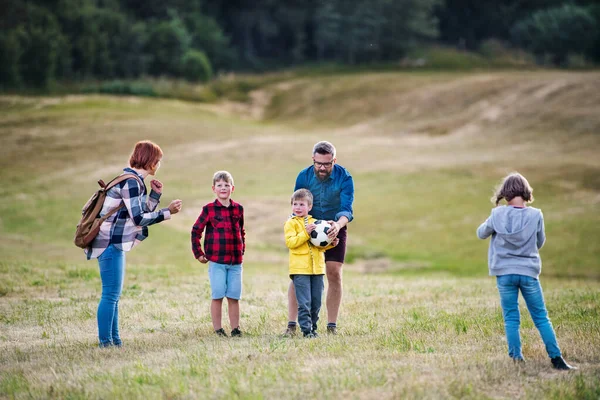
x,y
319,237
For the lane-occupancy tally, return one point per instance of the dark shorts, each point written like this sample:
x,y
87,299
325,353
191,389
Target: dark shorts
x,y
338,253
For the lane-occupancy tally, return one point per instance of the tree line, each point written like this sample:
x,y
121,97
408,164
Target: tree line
x,y
70,40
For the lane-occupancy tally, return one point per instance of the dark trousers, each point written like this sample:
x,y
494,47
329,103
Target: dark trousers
x,y
309,290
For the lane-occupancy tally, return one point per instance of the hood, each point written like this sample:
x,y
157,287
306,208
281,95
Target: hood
x,y
515,225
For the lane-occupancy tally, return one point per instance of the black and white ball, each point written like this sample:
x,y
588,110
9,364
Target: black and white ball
x,y
319,237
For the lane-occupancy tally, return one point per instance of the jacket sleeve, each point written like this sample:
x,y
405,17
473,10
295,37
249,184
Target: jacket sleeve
x,y
134,201
197,230
294,239
485,229
151,201
346,199
324,249
541,234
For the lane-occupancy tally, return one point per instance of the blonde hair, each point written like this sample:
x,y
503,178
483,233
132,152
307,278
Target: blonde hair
x,y
302,194
513,185
222,176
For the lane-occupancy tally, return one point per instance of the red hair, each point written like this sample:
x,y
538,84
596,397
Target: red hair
x,y
145,155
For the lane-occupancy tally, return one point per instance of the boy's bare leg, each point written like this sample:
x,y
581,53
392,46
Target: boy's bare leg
x,y
292,303
334,289
215,313
234,312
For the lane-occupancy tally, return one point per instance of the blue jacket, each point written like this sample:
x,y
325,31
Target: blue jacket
x,y
333,197
517,235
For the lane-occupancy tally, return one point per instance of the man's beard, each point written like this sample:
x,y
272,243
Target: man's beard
x,y
322,176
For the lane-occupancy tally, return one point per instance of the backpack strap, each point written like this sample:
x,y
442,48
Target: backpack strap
x,y
113,183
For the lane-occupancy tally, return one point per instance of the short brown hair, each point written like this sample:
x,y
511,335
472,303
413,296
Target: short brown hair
x,y
513,185
145,155
302,194
222,176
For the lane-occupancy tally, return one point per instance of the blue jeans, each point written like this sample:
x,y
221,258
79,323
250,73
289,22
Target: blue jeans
x,y
112,274
225,280
508,286
309,291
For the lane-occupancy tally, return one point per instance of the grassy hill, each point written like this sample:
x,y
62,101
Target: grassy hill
x,y
420,317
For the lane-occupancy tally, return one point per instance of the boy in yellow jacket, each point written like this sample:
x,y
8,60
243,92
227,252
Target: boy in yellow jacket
x,y
307,262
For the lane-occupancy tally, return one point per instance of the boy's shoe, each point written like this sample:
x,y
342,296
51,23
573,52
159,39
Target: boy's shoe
x,y
309,335
221,332
236,332
332,330
290,331
315,334
560,363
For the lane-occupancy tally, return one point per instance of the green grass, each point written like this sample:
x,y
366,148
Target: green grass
x,y
420,317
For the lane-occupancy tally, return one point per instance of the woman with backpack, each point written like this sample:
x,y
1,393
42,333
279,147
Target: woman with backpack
x,y
131,211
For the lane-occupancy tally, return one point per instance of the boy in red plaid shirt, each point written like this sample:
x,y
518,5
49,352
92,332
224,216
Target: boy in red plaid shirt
x,y
224,246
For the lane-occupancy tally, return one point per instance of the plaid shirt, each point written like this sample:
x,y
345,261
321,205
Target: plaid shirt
x,y
225,241
129,226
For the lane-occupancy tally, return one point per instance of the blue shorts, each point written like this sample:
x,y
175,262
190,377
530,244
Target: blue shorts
x,y
225,280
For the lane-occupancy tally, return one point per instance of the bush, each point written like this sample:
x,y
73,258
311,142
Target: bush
x,y
10,52
196,66
168,42
557,32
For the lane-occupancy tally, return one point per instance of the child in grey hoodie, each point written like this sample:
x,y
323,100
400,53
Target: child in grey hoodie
x,y
517,234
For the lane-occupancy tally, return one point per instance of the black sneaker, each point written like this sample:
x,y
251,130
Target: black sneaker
x,y
236,332
290,331
315,334
560,363
309,335
332,330
221,332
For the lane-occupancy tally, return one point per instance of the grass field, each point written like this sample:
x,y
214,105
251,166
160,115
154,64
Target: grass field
x,y
420,317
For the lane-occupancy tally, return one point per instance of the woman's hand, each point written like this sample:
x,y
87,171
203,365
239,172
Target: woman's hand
x,y
203,259
156,185
175,206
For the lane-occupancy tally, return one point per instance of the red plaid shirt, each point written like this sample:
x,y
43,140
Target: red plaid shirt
x,y
225,240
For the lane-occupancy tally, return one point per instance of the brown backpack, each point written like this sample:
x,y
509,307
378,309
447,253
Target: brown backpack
x,y
89,224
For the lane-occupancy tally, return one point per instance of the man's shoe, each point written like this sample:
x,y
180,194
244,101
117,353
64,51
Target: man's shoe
x,y
236,332
332,330
560,363
290,331
221,332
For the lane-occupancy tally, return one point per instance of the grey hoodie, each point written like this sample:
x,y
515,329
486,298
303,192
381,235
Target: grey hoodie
x,y
517,235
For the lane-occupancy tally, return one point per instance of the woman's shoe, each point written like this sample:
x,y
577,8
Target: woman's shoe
x,y
561,364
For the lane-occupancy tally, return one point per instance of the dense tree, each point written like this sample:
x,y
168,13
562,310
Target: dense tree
x,y
558,32
41,40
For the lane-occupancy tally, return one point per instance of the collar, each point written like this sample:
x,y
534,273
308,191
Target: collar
x,y
131,171
219,204
292,215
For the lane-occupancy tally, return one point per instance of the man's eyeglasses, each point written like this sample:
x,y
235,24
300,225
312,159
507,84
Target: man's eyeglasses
x,y
323,164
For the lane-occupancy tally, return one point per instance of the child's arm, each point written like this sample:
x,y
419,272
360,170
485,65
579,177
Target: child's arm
x,y
541,234
485,229
294,239
243,232
197,230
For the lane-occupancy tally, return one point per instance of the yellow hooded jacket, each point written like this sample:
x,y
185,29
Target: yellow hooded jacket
x,y
305,259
